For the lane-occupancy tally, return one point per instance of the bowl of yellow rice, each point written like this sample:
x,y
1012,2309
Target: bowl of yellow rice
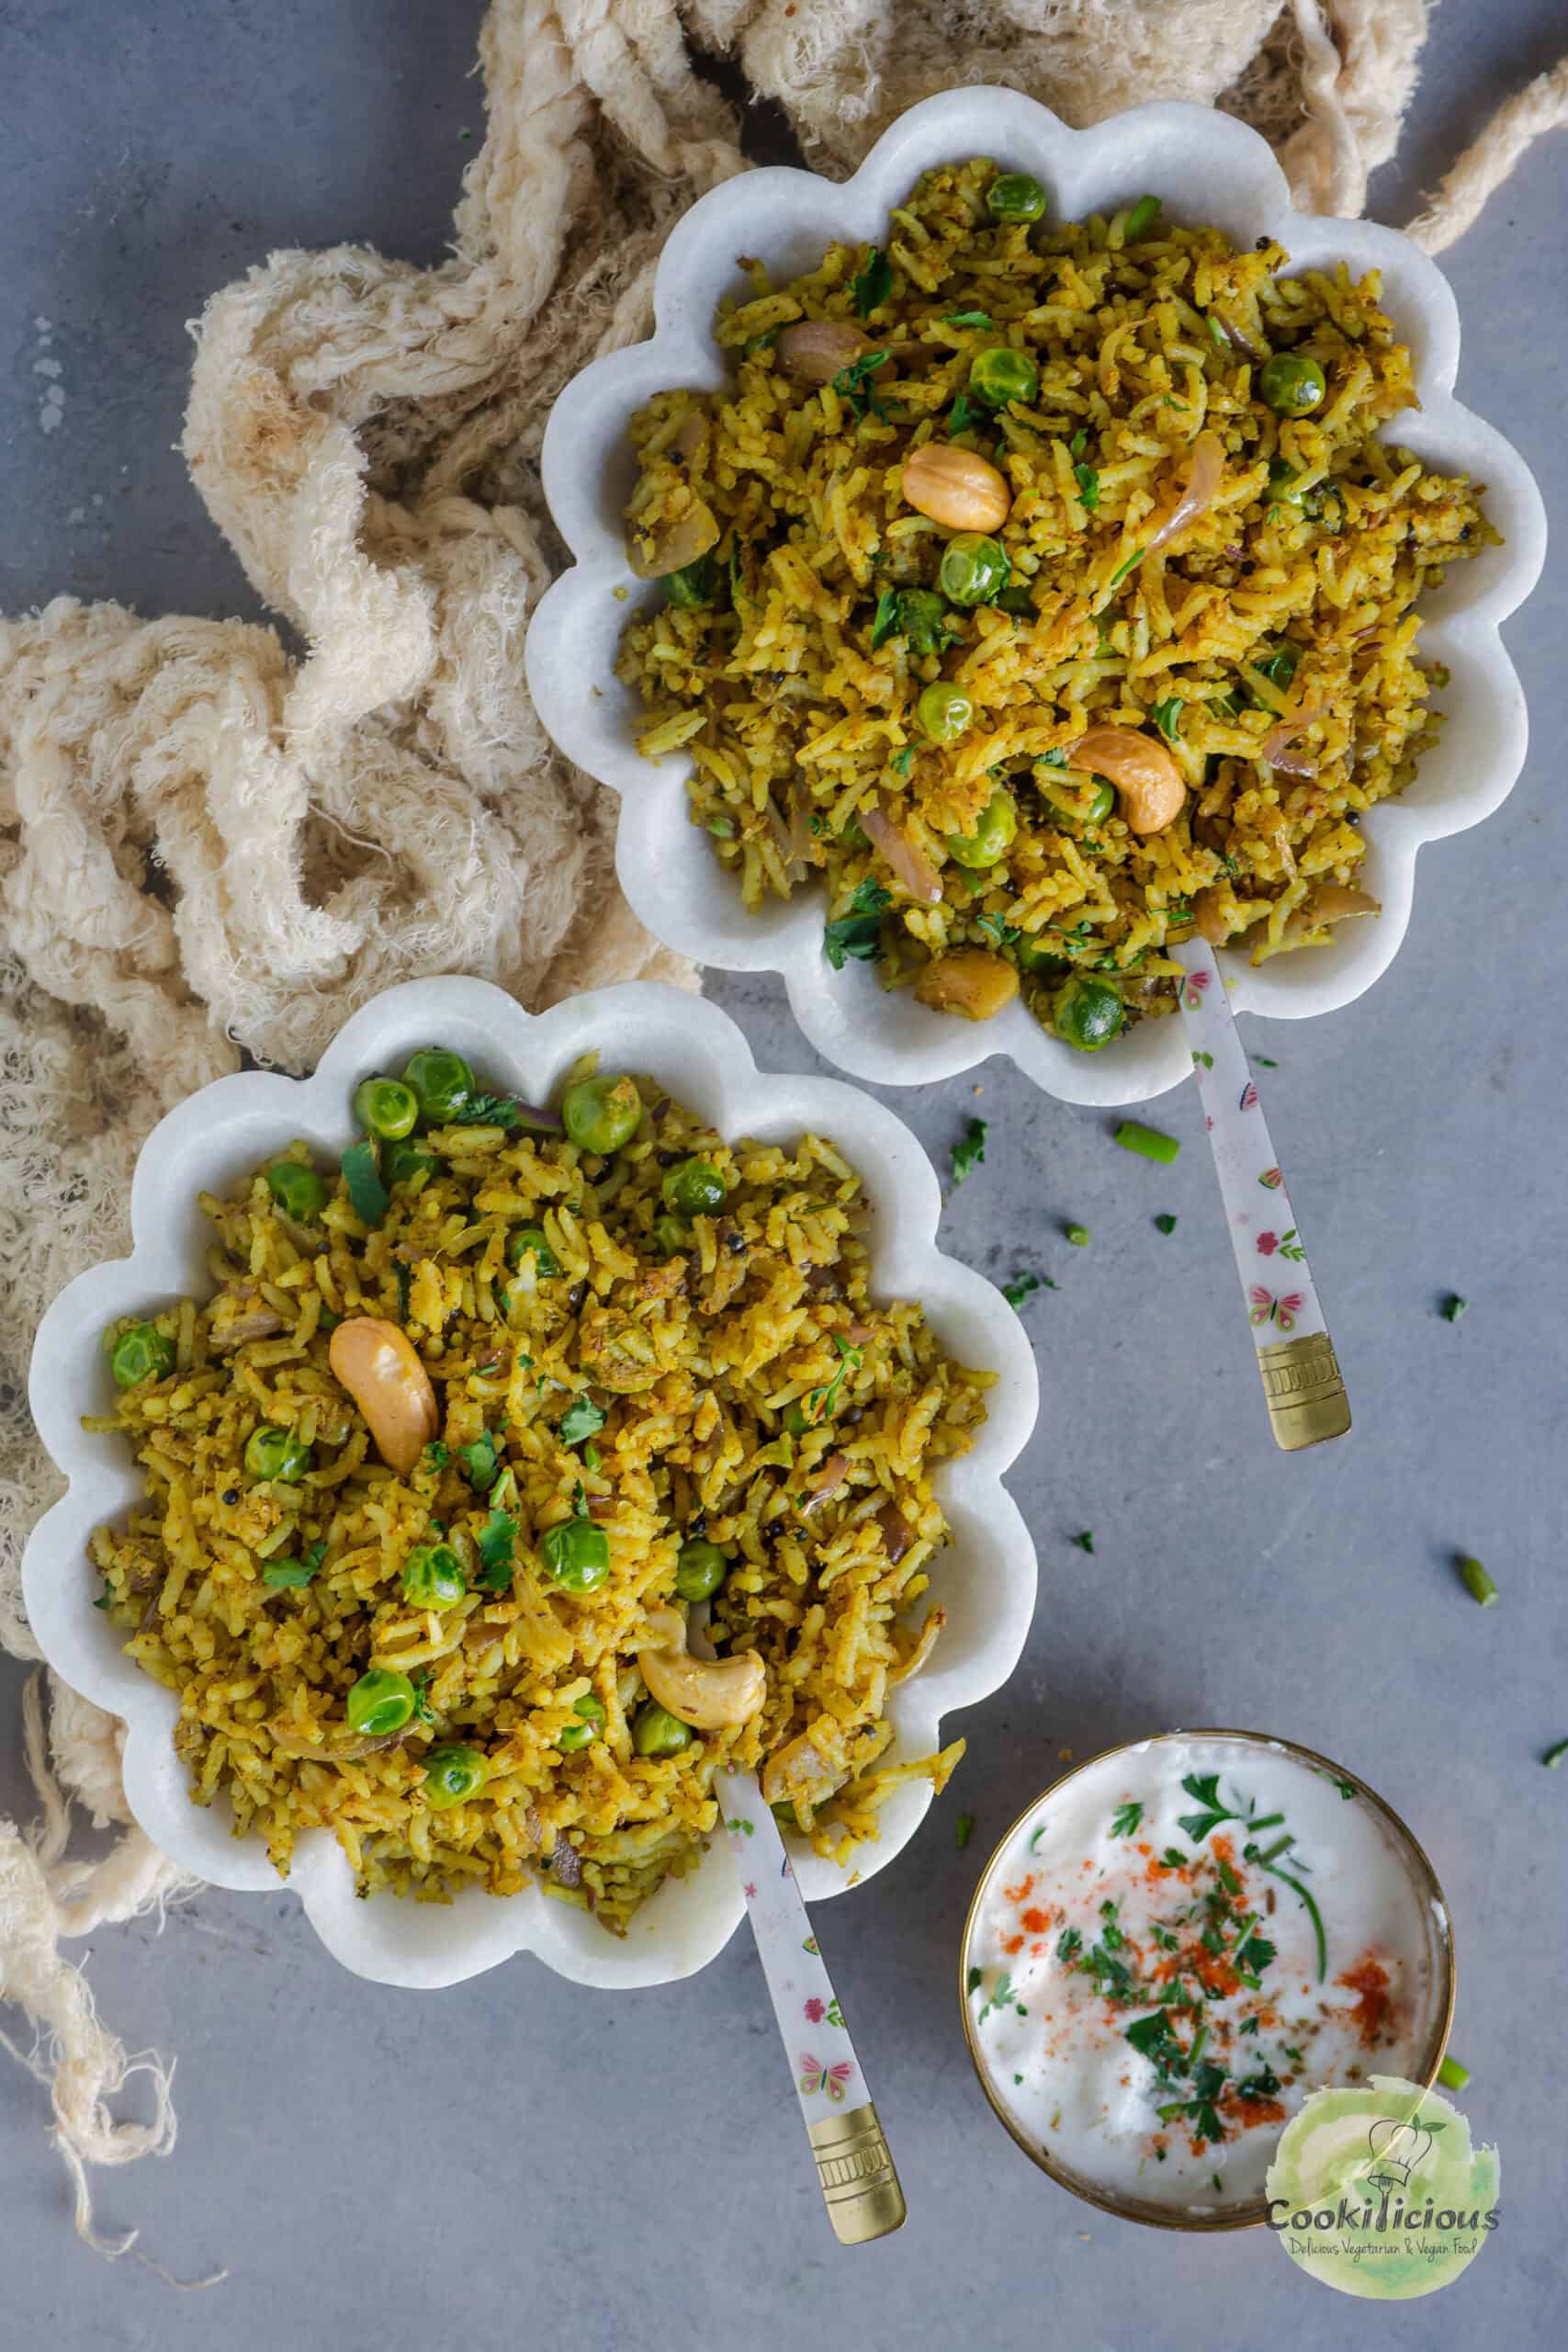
x,y
996,568
438,1390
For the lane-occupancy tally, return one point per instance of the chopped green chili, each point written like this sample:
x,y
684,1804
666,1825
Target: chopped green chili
x,y
1477,1583
1147,1142
1078,1235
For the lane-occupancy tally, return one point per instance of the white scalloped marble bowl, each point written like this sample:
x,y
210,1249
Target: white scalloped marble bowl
x,y
986,1579
1208,168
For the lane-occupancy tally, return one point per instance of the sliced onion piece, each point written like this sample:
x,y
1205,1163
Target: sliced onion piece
x,y
1205,476
918,876
831,1476
1275,746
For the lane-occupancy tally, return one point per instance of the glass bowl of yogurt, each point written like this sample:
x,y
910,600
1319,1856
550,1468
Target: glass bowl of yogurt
x,y
1178,1941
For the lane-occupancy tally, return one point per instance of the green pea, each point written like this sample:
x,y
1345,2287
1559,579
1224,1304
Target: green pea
x,y
973,569
1013,196
432,1577
1292,383
1079,804
582,1735
272,1453
602,1114
656,1732
944,712
693,585
1283,479
920,618
577,1555
998,824
443,1084
386,1108
1086,1013
452,1772
300,1192
695,1188
380,1703
1002,375
1042,961
672,1235
529,1240
141,1353
699,1569
401,1162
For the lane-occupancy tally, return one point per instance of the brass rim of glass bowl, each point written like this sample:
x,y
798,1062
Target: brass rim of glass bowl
x,y
1136,2209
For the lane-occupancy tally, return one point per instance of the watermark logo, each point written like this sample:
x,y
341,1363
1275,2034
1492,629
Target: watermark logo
x,y
1377,2190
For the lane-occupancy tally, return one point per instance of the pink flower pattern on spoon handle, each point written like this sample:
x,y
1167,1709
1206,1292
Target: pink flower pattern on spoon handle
x,y
1258,1208
798,1983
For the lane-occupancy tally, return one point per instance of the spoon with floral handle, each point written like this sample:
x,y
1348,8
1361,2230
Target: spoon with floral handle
x,y
1295,1355
854,2165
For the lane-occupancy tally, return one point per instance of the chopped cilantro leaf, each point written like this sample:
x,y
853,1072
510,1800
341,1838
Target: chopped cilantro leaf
x,y
1086,1541
482,1464
1000,933
1126,1819
1454,1307
975,1978
964,416
1088,487
963,1827
873,284
858,933
435,1455
1167,716
852,384
885,620
1019,1289
1173,1859
968,318
581,1418
1070,1943
497,1538
1165,1222
969,1151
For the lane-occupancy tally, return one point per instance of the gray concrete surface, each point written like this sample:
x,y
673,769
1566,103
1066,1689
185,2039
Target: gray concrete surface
x,y
518,2160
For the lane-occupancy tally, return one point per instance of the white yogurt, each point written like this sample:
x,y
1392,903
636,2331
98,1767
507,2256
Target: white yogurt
x,y
1094,1911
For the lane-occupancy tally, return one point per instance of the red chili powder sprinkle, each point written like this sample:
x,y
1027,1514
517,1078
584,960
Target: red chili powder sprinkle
x,y
1012,1944
1036,1920
1020,1893
1368,1981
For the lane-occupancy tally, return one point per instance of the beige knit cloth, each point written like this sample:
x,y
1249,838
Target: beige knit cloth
x,y
207,842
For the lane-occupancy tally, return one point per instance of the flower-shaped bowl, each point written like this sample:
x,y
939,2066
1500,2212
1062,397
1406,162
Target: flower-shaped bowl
x,y
1208,168
985,1579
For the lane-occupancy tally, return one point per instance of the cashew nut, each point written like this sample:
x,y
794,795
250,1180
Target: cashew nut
x,y
707,1693
387,1381
956,488
1151,787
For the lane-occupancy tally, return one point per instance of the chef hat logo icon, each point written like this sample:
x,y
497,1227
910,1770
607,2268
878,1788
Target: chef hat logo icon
x,y
1397,2148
